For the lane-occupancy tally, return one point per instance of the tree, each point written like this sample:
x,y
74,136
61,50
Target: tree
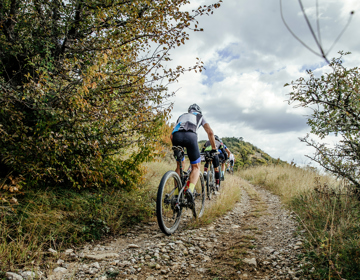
x,y
335,102
83,85
315,32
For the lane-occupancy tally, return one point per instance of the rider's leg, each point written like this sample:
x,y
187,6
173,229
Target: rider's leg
x,y
206,166
216,167
194,175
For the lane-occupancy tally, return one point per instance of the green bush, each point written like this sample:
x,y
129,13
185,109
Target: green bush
x,y
80,82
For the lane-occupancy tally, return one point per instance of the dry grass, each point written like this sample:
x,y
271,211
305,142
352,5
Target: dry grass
x,y
286,181
327,210
230,193
59,219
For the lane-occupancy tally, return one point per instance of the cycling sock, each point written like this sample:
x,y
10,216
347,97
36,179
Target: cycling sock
x,y
222,173
217,177
205,169
192,187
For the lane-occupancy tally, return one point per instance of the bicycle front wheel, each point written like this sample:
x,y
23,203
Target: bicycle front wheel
x,y
168,212
199,198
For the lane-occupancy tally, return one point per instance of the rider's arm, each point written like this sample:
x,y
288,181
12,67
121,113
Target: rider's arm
x,y
228,152
210,134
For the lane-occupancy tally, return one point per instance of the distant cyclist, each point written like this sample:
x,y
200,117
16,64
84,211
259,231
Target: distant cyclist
x,y
223,156
185,135
207,147
231,161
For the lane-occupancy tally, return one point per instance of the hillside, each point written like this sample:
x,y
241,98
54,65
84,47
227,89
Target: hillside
x,y
246,154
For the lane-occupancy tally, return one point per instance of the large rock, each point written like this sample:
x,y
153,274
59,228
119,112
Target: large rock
x,y
13,276
60,270
99,257
250,261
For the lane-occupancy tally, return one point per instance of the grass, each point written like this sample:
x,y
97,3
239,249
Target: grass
x,y
59,218
286,181
230,194
328,211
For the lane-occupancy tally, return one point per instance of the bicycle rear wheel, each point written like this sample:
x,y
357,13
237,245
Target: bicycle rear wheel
x,y
167,211
213,181
208,181
199,198
221,178
211,184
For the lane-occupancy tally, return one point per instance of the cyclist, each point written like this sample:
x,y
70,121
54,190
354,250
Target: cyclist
x,y
185,135
207,147
231,161
223,156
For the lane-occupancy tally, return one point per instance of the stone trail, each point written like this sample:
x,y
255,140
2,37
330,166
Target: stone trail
x,y
256,240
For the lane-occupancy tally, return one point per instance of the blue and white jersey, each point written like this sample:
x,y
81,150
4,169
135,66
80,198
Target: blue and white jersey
x,y
189,122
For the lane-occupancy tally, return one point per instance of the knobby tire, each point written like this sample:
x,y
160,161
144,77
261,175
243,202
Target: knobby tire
x,y
199,198
168,218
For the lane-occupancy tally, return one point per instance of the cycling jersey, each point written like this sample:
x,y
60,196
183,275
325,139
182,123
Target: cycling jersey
x,y
232,157
207,146
189,122
220,151
185,134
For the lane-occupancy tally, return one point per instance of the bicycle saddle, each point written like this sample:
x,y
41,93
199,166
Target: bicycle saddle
x,y
178,152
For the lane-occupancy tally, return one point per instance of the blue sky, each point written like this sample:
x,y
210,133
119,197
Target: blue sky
x,y
249,55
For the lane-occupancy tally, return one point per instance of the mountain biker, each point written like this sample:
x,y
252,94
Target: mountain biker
x,y
207,147
185,135
231,161
223,156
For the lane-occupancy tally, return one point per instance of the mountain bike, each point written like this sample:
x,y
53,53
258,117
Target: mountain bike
x,y
230,168
210,177
169,206
222,177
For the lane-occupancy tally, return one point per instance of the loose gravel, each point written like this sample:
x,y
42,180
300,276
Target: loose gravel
x,y
258,239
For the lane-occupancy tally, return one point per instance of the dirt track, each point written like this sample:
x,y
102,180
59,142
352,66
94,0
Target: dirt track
x,y
256,240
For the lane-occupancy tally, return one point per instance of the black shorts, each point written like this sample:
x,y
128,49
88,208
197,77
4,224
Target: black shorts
x,y
231,162
215,162
221,157
188,140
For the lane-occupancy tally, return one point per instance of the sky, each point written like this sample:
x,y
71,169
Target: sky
x,y
249,55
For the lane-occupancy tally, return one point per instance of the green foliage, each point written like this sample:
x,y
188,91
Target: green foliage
x,y
246,154
81,81
335,101
332,220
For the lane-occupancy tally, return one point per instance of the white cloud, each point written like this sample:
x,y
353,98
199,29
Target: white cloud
x,y
249,55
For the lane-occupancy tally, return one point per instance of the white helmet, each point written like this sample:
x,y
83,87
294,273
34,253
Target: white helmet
x,y
195,107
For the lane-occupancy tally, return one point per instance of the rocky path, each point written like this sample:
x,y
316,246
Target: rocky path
x,y
256,240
